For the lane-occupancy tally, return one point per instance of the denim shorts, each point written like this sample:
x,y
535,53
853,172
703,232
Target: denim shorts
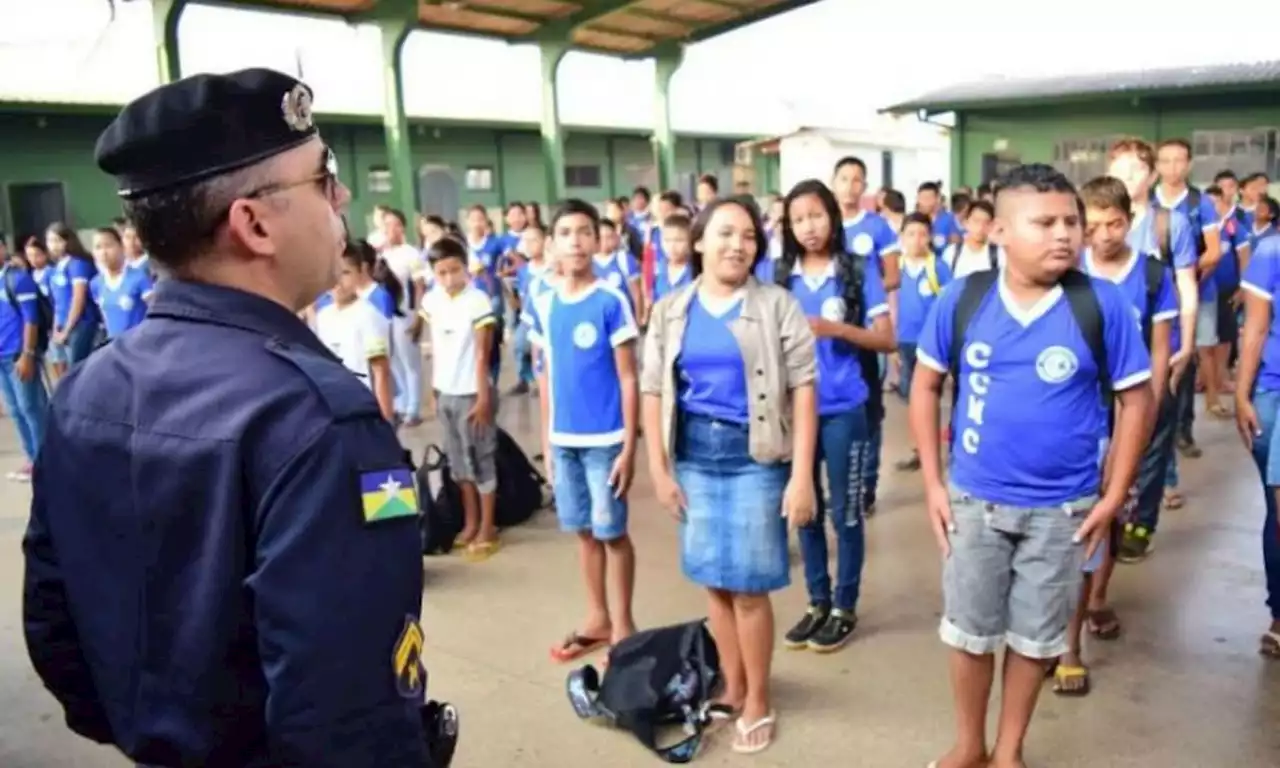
x,y
1013,576
1207,323
733,536
1267,404
585,501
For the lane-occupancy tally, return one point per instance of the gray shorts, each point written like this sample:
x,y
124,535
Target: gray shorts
x,y
1014,576
1207,323
469,448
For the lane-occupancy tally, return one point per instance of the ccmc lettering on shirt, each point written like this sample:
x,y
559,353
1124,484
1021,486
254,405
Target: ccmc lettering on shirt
x,y
388,494
978,357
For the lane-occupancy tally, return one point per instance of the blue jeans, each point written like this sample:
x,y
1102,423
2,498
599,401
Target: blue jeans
x,y
584,498
1266,454
733,536
523,352
79,344
843,450
907,360
28,404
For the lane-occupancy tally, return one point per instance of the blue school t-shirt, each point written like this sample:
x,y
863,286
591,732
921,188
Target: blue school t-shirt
x,y
712,379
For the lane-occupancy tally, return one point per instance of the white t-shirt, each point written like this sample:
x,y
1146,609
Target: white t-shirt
x,y
969,261
356,333
453,321
407,265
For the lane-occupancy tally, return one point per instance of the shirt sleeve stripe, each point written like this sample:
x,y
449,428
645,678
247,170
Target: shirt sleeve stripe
x,y
26,297
1128,382
484,321
1256,290
623,335
877,310
923,357
1160,317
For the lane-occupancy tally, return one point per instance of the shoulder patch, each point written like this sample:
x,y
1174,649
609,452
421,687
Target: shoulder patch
x,y
345,395
406,661
387,494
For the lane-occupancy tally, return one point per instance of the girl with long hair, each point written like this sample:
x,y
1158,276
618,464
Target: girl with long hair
x,y
75,317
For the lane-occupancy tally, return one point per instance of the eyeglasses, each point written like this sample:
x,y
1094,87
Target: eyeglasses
x,y
327,178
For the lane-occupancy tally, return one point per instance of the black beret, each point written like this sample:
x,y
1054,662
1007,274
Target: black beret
x,y
204,126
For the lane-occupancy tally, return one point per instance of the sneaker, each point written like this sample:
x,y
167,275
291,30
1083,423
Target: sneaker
x,y
835,632
520,389
911,464
868,503
797,638
1135,544
1188,448
22,475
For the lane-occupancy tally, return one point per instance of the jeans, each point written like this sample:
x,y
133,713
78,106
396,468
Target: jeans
x,y
907,358
843,450
28,403
406,369
1153,471
80,342
1186,396
523,352
585,501
1266,456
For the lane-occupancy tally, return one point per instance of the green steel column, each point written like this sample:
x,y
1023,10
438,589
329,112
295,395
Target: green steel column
x,y
165,15
664,142
552,53
395,124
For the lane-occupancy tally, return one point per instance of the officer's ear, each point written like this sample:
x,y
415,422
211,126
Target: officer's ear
x,y
249,225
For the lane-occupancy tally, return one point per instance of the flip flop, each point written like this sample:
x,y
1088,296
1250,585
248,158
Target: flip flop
x,y
1103,624
575,646
479,551
1269,645
745,731
1064,672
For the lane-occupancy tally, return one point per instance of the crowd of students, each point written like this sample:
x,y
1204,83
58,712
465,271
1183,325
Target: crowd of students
x,y
753,353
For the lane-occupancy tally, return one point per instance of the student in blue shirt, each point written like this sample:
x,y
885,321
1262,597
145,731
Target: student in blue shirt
x,y
486,252
945,228
20,359
731,425
674,271
1257,406
1234,237
849,314
924,275
1147,283
586,331
75,318
120,293
1263,221
1018,514
866,233
38,264
615,265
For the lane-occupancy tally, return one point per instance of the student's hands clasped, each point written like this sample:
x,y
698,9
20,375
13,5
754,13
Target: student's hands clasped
x,y
799,503
938,501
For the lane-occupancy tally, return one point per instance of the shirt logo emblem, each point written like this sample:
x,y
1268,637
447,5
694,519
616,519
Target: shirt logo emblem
x,y
939,241
615,279
862,244
585,336
923,286
1056,364
833,309
125,302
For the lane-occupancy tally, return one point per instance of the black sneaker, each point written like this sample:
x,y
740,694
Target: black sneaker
x,y
797,638
834,633
519,389
911,464
868,503
1135,545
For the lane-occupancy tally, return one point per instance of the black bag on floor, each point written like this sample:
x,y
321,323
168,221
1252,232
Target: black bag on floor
x,y
442,517
660,677
520,485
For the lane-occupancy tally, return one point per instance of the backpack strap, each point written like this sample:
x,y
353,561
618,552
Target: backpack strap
x,y
931,273
976,287
9,289
868,361
1155,269
993,252
1088,315
1164,232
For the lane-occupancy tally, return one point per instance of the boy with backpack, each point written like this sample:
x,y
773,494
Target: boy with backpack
x,y
975,252
1147,282
1034,348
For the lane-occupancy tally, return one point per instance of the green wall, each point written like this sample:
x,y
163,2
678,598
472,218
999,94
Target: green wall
x,y
1030,133
57,146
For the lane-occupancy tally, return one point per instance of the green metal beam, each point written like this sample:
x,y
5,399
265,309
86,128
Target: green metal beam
x,y
165,15
747,19
395,19
551,52
664,141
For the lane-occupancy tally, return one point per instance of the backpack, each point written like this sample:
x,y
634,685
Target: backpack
x,y
44,311
1193,216
1155,270
1084,307
993,253
659,677
442,517
520,485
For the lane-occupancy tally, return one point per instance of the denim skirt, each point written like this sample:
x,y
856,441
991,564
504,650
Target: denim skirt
x,y
733,536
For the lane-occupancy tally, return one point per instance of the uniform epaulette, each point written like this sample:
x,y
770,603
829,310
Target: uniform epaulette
x,y
344,394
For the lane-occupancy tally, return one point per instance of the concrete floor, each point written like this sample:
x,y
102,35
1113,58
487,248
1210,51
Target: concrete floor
x,y
1184,687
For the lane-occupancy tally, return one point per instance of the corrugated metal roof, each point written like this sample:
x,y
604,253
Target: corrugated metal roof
x,y
1002,91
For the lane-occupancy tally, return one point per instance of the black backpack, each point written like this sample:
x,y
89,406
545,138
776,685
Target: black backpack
x,y
1084,305
442,517
993,253
44,309
660,677
520,485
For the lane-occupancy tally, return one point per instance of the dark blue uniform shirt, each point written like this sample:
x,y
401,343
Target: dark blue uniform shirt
x,y
202,587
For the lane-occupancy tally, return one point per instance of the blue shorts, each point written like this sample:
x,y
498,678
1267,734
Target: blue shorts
x,y
734,536
584,498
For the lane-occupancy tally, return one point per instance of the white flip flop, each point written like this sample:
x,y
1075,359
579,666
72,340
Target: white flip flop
x,y
745,731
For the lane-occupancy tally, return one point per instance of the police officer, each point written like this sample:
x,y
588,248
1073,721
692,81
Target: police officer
x,y
222,563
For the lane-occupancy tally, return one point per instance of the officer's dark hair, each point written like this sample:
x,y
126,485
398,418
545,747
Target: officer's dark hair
x,y
643,192
176,225
360,254
918,218
75,248
1273,207
699,228
447,248
711,181
895,201
1035,177
577,207
930,186
110,232
981,205
849,160
1105,193
673,198
1226,174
